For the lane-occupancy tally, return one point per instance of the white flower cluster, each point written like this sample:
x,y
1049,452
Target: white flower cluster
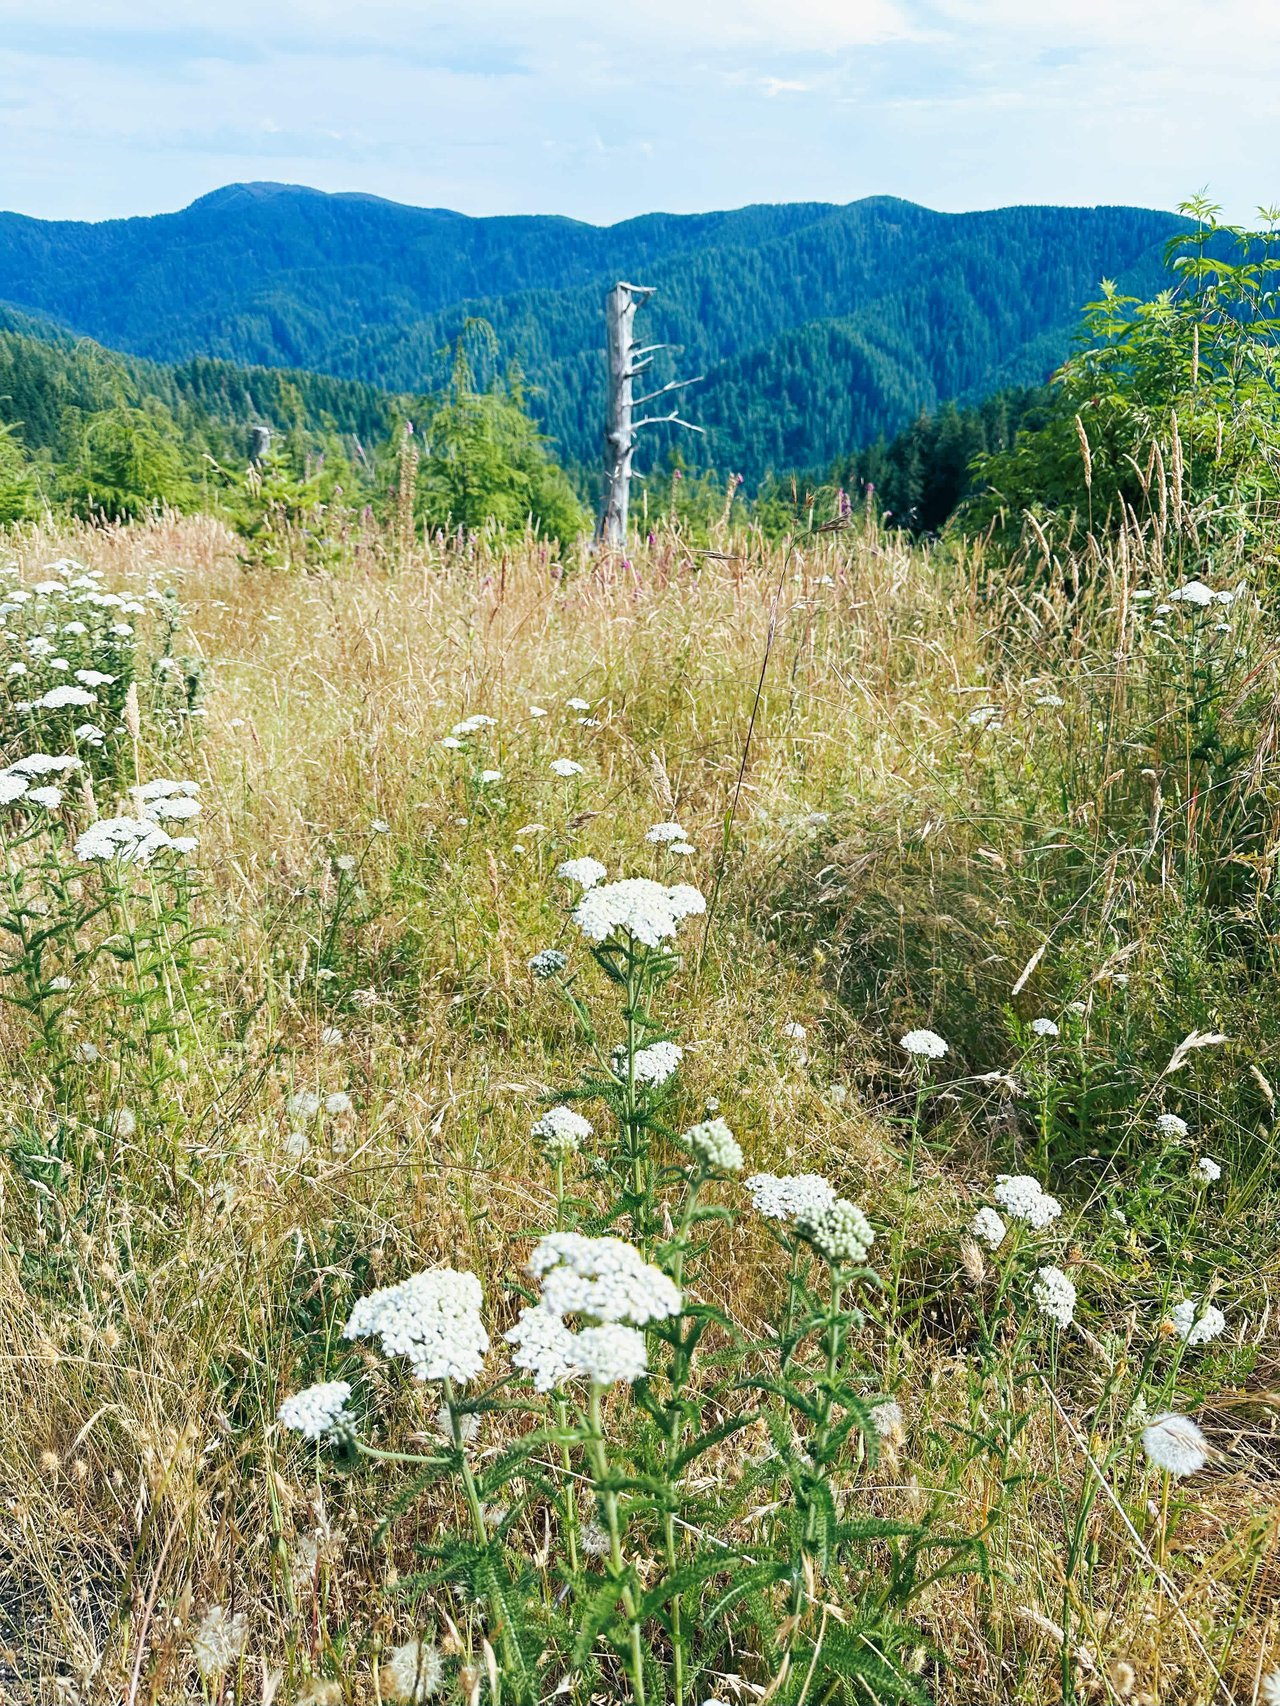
x,y
790,1196
163,801
1022,1198
646,911
1196,1323
1055,1295
562,1131
653,1065
433,1318
1171,1125
840,1232
1043,1028
319,1411
666,832
610,1283
547,963
714,1144
585,872
565,767
472,725
988,1226
131,840
1175,1444
925,1045
605,1278
1207,1170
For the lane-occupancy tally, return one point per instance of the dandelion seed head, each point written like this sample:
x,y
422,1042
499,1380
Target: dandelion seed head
x,y
1175,1444
412,1672
337,1102
218,1641
887,1419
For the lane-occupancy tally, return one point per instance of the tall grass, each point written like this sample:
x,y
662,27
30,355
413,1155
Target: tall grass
x,y
976,794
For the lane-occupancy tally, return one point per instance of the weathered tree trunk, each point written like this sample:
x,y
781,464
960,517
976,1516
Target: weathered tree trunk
x,y
621,427
259,444
619,436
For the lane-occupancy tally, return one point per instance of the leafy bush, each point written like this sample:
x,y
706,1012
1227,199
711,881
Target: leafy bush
x,y
1169,405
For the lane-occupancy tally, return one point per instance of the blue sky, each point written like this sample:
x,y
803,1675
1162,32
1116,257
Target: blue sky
x,y
111,107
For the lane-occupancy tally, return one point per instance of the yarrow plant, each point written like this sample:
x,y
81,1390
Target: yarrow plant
x,y
606,1355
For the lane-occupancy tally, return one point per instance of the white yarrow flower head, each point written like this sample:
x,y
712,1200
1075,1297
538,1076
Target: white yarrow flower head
x,y
790,1196
712,1143
1196,1323
585,872
1269,1692
840,1233
1055,1295
924,1045
606,1279
1043,1028
320,1411
1171,1125
545,1348
647,912
987,1226
1175,1444
412,1672
578,704
562,1132
565,767
1022,1199
219,1639
547,963
433,1318
652,1065
611,1355
129,840
490,776
1194,592
1206,1170
662,833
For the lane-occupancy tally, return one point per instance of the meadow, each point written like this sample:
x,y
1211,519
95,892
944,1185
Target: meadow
x,y
971,1398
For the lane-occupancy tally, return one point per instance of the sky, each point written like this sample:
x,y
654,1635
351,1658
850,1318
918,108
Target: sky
x,y
601,109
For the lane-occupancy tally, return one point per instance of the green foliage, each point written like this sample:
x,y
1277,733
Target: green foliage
x,y
817,327
485,460
1169,402
123,464
19,492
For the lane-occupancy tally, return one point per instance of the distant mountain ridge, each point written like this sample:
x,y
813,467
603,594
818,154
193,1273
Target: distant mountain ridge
x,y
817,326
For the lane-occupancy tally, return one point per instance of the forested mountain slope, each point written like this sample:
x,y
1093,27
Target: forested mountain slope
x,y
816,326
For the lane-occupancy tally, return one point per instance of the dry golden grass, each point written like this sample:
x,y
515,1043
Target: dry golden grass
x,y
153,1305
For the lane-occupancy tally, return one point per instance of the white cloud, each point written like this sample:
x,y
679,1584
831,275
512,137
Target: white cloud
x,y
111,106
